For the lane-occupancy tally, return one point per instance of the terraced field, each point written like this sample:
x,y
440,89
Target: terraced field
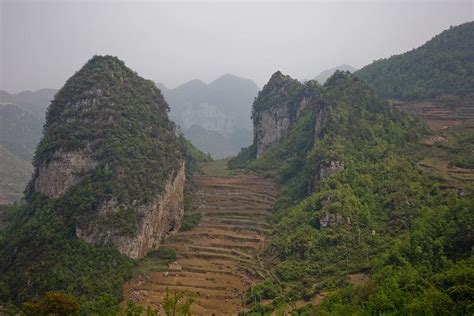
x,y
218,259
452,123
441,114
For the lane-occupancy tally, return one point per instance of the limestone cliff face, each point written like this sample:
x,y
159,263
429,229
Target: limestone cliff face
x,y
278,106
65,169
157,220
274,110
270,126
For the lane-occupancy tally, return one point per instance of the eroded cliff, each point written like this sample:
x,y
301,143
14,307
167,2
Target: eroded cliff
x,y
156,220
65,169
278,106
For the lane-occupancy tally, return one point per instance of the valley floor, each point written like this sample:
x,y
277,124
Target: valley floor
x,y
217,260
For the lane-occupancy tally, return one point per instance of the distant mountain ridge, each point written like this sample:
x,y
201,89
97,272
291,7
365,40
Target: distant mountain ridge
x,y
21,122
221,108
14,175
35,102
20,130
323,76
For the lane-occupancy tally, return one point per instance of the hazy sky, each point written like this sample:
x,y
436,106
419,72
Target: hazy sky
x,y
45,42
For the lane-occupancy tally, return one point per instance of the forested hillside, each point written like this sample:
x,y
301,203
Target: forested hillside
x,y
108,162
444,65
359,228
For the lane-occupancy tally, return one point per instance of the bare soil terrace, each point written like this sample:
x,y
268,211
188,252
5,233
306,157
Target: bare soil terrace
x,y
217,260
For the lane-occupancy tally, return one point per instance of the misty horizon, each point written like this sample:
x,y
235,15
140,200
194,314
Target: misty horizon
x,y
173,43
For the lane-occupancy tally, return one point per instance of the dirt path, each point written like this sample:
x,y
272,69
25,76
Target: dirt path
x,y
217,259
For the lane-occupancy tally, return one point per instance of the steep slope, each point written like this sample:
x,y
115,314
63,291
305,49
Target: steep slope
x,y
443,65
221,107
324,75
275,109
109,179
14,175
20,131
359,228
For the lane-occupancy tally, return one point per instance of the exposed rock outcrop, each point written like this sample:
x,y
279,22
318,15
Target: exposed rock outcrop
x,y
270,126
157,220
279,104
65,169
333,220
334,167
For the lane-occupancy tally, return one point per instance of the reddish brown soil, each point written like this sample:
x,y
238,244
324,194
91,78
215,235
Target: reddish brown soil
x,y
358,278
218,258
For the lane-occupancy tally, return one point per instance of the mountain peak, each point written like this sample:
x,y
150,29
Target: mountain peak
x,y
340,76
277,74
324,75
230,81
228,77
106,117
279,77
104,60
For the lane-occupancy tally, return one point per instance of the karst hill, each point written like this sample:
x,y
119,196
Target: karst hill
x,y
108,185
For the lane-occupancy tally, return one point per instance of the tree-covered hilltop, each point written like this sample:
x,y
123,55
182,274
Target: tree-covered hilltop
x,y
121,119
358,226
115,124
443,65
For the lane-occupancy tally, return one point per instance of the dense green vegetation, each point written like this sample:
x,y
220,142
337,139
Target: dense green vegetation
x,y
288,88
444,65
194,159
39,252
378,216
120,119
462,156
243,158
62,304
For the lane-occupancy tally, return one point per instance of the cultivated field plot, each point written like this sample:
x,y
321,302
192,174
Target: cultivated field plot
x,y
452,139
441,114
218,259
